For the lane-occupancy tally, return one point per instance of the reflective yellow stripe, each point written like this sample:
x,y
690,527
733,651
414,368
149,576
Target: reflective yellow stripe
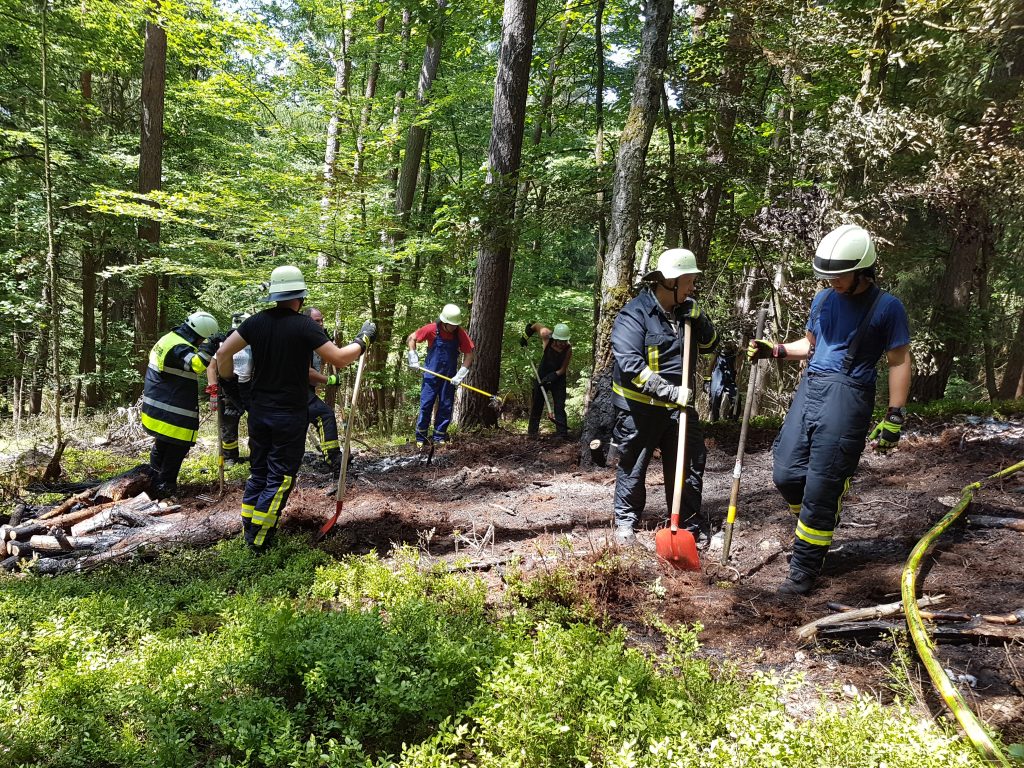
x,y
275,504
641,378
330,444
169,430
230,446
630,394
247,511
839,506
794,508
198,365
710,344
652,359
813,536
170,408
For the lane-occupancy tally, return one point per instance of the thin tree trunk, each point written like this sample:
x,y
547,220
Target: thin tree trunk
x,y
493,278
738,51
405,192
602,227
625,220
1014,371
342,70
154,76
985,311
950,318
52,276
369,94
403,72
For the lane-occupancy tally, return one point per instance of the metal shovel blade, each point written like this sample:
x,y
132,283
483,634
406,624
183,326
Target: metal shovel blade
x,y
678,547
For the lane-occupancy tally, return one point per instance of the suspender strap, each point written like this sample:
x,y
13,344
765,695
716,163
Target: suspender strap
x,y
851,353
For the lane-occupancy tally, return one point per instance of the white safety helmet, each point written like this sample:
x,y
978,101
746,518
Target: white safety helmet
x,y
203,323
451,314
286,283
561,332
673,263
843,250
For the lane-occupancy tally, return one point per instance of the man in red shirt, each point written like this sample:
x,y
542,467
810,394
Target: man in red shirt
x,y
445,341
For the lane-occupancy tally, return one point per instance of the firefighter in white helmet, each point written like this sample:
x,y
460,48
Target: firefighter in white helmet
x,y
554,365
170,397
446,340
852,324
283,341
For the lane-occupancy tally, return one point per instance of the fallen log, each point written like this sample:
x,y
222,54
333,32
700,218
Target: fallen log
x,y
136,480
808,631
137,516
48,545
9,563
24,531
927,615
20,549
987,521
976,632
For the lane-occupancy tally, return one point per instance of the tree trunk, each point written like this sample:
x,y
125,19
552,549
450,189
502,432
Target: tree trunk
x,y
405,192
492,280
342,70
738,51
602,227
369,94
625,219
950,319
1012,375
154,75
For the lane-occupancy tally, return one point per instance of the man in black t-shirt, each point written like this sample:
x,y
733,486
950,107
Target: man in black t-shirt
x,y
282,341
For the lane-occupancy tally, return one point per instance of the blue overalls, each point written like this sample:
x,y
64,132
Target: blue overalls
x,y
443,358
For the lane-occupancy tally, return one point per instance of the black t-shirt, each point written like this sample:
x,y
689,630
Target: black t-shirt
x,y
282,342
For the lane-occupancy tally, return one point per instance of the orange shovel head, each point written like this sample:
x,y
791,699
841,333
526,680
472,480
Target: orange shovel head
x,y
678,548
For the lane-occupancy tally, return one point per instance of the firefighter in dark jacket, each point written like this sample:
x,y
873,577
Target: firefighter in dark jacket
x,y
852,324
321,416
170,397
648,393
554,364
282,341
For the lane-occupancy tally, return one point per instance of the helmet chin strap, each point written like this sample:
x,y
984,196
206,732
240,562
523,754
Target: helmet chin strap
x,y
675,292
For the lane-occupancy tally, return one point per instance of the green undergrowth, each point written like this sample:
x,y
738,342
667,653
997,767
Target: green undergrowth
x,y
222,658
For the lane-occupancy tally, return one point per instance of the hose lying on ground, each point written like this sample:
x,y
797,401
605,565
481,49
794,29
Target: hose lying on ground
x,y
923,642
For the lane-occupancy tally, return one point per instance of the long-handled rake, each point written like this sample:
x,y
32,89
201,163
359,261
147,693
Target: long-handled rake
x,y
737,471
496,402
547,398
346,452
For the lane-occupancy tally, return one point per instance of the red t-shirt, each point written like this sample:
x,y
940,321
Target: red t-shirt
x,y
428,333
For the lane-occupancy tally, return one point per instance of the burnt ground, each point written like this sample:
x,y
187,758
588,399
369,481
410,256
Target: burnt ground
x,y
506,497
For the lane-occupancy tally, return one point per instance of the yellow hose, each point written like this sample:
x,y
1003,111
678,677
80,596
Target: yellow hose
x,y
923,642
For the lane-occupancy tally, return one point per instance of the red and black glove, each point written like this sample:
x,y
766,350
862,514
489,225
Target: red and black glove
x,y
213,391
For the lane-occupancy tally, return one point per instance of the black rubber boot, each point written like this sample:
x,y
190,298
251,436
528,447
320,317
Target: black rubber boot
x,y
797,583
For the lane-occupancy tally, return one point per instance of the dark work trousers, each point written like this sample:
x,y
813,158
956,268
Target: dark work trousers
x,y
816,454
277,439
556,390
229,418
323,419
166,457
442,392
637,433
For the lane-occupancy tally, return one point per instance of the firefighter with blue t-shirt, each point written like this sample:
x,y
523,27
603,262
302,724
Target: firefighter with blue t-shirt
x,y
851,325
445,340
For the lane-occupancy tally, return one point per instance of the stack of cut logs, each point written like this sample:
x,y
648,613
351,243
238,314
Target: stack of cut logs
x,y
88,524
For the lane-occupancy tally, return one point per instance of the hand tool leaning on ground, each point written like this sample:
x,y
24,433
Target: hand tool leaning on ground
x,y
220,457
675,544
730,517
496,402
547,397
346,452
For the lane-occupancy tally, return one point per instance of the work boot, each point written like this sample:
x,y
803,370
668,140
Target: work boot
x,y
625,537
334,460
797,583
230,462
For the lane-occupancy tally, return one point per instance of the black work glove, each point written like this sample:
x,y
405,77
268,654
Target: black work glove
x,y
524,340
549,379
688,310
366,336
761,348
208,348
229,388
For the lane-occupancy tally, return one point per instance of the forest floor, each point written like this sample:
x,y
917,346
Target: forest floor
x,y
508,501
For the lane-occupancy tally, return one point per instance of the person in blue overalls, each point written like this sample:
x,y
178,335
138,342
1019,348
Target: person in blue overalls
x,y
852,323
446,340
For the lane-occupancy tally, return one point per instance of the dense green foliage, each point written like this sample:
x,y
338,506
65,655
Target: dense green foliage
x,y
292,659
780,120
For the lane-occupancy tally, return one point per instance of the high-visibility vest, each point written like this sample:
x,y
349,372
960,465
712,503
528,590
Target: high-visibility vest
x,y
170,398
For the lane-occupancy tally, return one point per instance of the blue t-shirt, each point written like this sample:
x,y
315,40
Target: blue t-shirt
x,y
834,321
